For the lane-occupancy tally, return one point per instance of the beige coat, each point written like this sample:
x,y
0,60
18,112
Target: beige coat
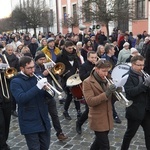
x,y
100,108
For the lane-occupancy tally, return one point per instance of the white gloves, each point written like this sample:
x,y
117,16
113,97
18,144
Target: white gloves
x,y
41,83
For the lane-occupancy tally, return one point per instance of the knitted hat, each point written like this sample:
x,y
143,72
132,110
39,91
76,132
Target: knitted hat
x,y
18,43
39,55
50,39
133,50
126,44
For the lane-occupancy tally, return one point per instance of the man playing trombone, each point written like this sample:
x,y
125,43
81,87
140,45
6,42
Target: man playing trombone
x,y
137,89
5,108
40,59
31,96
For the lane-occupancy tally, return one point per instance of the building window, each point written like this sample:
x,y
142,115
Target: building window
x,y
74,9
87,12
64,13
140,9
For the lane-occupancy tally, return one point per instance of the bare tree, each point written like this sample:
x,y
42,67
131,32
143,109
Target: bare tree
x,y
48,19
19,19
5,25
70,22
104,11
30,15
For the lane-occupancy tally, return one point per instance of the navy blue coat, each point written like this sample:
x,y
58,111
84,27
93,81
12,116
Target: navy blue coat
x,y
32,109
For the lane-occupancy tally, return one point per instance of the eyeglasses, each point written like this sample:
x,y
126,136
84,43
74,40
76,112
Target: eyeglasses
x,y
140,65
30,68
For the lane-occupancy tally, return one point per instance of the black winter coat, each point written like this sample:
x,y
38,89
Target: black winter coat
x,y
137,92
85,70
69,69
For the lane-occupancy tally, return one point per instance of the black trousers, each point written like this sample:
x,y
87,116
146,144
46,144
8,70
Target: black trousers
x,y
132,127
113,106
5,116
84,115
69,99
101,141
52,109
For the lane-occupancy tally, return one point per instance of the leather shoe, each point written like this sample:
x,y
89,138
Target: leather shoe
x,y
61,137
78,128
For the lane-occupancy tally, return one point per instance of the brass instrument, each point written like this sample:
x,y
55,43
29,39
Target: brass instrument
x,y
119,95
58,68
5,94
145,74
10,71
50,88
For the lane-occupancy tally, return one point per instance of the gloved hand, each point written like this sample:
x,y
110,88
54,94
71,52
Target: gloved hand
x,y
119,89
41,83
147,81
110,90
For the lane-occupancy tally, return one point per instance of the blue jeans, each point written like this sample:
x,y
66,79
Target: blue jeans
x,y
38,141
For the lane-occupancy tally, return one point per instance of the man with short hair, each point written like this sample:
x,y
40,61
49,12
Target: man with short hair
x,y
109,55
138,114
30,96
72,62
40,59
84,72
98,94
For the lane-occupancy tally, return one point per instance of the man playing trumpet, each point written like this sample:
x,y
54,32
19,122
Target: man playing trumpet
x,y
31,97
98,94
137,90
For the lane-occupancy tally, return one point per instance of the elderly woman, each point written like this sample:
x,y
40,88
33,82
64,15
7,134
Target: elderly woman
x,y
124,53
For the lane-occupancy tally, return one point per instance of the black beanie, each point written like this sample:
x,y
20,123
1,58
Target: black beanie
x,y
39,56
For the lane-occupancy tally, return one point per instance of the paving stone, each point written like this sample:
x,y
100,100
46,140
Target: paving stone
x,y
75,141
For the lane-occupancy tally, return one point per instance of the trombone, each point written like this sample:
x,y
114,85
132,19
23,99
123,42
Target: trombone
x,y
119,95
50,88
58,68
10,71
6,95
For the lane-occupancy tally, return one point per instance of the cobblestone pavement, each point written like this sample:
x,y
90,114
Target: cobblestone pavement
x,y
78,142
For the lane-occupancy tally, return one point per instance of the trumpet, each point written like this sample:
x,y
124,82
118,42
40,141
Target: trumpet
x,y
50,89
145,74
119,95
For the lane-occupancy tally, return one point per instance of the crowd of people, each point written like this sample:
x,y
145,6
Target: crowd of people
x,y
90,56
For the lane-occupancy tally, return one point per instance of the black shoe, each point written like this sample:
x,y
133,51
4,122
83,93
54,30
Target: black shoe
x,y
14,113
78,128
61,101
117,120
66,115
79,114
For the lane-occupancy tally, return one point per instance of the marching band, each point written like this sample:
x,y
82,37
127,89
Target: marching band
x,y
74,72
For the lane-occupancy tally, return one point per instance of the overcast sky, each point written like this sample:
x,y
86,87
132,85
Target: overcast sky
x,y
6,6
